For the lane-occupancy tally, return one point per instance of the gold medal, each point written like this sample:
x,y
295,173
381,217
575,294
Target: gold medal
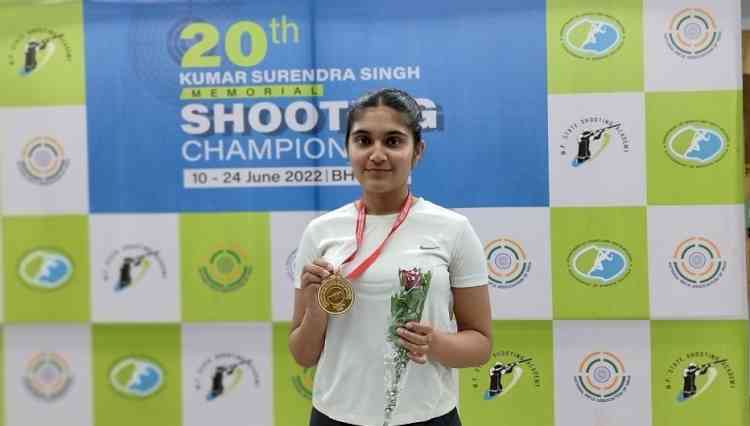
x,y
335,294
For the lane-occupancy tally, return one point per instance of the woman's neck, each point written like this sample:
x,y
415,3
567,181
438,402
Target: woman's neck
x,y
385,202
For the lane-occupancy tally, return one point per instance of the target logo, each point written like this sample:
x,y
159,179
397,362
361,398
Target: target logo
x,y
507,263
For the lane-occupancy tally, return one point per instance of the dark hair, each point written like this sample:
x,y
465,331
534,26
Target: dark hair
x,y
399,100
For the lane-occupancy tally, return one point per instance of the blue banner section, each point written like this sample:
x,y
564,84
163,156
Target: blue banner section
x,y
224,106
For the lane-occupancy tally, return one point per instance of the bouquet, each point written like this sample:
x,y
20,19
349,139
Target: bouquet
x,y
406,305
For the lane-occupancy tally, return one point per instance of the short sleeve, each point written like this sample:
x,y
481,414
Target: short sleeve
x,y
468,267
307,251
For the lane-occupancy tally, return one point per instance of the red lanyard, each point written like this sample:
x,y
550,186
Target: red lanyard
x,y
360,234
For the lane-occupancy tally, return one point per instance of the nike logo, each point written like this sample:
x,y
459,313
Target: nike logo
x,y
428,247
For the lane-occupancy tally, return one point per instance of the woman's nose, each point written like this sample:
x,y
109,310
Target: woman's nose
x,y
378,153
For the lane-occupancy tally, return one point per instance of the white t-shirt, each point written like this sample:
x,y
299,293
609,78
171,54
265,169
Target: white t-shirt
x,y
349,380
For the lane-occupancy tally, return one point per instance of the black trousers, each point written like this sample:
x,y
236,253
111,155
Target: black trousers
x,y
450,419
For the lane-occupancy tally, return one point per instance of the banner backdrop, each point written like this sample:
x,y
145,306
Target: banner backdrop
x,y
160,160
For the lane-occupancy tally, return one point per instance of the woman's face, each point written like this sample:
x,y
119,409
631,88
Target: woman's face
x,y
382,150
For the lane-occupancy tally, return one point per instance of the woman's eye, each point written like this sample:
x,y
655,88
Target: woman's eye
x,y
361,140
393,141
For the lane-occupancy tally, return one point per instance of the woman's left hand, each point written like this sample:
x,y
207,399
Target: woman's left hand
x,y
417,338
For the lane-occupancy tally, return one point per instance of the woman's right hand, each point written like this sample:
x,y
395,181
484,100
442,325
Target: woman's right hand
x,y
312,275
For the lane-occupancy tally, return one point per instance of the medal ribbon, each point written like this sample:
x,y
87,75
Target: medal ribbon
x,y
360,235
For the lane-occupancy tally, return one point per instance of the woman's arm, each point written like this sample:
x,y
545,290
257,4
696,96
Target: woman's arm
x,y
470,346
309,320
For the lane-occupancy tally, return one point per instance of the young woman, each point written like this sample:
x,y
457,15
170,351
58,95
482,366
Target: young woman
x,y
384,142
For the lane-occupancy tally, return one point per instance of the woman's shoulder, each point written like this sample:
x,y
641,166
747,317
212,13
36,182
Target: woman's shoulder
x,y
438,213
344,213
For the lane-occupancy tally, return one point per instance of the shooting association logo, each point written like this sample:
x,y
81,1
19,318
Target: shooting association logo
x,y
692,33
222,373
31,52
505,370
507,263
43,161
585,140
694,374
131,264
48,376
602,377
697,263
226,269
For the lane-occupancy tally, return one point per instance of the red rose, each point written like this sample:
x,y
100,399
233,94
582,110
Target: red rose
x,y
410,278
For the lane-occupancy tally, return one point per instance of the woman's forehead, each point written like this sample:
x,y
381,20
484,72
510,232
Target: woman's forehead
x,y
379,118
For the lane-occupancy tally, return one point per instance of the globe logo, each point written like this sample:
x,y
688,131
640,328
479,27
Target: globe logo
x,y
592,36
599,263
696,143
601,377
136,377
45,269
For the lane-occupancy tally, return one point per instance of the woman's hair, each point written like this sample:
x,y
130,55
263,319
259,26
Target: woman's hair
x,y
399,100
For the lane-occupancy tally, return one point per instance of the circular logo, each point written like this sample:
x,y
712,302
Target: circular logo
x,y
599,263
601,377
130,264
43,161
35,48
335,294
48,376
45,269
227,269
697,263
303,382
696,143
507,263
592,36
222,373
693,374
587,138
136,377
505,370
290,264
692,33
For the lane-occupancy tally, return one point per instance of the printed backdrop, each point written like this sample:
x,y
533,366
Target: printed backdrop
x,y
160,160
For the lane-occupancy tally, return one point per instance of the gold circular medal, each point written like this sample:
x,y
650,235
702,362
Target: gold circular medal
x,y
335,294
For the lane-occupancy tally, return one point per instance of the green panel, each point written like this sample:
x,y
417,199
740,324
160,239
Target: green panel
x,y
719,394
46,268
42,54
525,395
685,159
599,268
117,399
292,384
226,267
577,64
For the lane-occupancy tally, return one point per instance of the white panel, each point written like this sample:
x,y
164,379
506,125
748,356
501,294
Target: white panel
x,y
697,262
605,166
47,375
45,162
286,230
692,45
517,246
227,374
602,373
135,268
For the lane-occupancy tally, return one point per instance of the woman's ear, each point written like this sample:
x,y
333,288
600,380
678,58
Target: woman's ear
x,y
418,152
